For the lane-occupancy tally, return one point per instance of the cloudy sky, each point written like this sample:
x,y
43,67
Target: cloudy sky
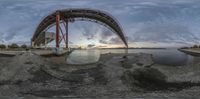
x,y
146,23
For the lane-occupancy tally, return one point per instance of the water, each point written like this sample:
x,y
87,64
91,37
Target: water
x,y
83,56
171,57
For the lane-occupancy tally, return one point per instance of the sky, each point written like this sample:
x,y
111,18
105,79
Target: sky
x,y
146,23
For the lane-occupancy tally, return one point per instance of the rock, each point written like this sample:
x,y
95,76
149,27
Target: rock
x,y
144,60
139,59
29,74
126,64
50,93
95,74
21,67
147,78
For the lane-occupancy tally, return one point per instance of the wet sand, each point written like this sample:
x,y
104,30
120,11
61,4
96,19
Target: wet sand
x,y
113,76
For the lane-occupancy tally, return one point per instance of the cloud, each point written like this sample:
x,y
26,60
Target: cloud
x,y
91,45
112,40
103,42
87,29
164,32
106,33
115,40
70,42
156,21
93,31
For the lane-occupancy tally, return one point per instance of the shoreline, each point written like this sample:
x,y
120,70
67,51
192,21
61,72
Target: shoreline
x,y
193,52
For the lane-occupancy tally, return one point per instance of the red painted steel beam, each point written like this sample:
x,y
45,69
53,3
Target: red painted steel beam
x,y
57,29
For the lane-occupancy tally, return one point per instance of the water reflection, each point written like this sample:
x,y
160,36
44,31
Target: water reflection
x,y
171,57
83,56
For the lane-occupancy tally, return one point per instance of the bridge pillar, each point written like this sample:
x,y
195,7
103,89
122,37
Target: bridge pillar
x,y
32,44
66,28
57,29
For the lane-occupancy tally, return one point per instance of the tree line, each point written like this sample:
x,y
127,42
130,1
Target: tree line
x,y
194,46
12,46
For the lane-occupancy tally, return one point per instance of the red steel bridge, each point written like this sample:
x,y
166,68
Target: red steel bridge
x,y
62,17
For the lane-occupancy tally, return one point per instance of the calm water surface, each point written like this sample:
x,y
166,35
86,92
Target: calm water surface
x,y
171,57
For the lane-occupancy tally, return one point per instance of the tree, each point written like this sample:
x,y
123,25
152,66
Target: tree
x,y
2,46
23,46
195,46
14,45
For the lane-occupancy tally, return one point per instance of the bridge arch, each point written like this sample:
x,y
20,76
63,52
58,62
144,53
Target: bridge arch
x,y
69,15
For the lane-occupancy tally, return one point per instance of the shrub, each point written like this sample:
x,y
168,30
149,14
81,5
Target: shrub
x,y
14,45
23,46
2,46
195,46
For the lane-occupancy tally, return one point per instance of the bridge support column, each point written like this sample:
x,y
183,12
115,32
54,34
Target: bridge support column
x,y
57,29
32,44
66,28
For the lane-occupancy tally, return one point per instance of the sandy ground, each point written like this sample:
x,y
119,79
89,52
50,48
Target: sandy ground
x,y
28,75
